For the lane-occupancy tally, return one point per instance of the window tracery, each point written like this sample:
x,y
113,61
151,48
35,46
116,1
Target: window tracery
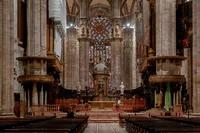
x,y
100,49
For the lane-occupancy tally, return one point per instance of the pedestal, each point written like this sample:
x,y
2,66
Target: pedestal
x,y
122,98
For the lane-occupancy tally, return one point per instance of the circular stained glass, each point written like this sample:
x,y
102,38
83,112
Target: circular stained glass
x,y
99,28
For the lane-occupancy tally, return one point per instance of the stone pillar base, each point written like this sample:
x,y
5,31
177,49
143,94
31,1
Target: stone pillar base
x,y
7,115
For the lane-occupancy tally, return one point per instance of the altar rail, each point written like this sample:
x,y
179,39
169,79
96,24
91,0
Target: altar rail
x,y
66,103
46,110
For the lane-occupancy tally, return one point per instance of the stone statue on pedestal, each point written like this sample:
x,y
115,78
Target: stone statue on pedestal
x,y
122,88
78,87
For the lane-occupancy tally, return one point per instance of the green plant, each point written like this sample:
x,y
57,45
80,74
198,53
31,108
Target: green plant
x,y
86,105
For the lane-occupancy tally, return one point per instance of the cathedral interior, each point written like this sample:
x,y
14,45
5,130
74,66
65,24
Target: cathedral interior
x,y
128,63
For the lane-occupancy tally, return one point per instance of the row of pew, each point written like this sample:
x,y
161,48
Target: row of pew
x,y
44,125
162,125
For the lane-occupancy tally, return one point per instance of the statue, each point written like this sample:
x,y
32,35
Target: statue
x,y
122,88
100,90
78,86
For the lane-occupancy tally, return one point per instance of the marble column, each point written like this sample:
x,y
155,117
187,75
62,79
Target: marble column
x,y
177,97
6,57
28,100
45,95
174,98
36,21
116,38
84,42
36,41
187,71
35,94
71,50
196,56
129,60
42,96
165,28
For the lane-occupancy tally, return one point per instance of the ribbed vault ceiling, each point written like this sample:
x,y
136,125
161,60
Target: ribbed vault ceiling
x,y
73,7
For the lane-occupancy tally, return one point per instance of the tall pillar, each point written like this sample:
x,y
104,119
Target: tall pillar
x,y
71,61
28,100
45,95
36,50
165,27
35,94
187,71
36,21
177,97
165,46
129,60
116,38
41,96
196,56
84,42
6,57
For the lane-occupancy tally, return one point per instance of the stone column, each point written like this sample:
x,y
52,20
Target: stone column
x,y
129,60
35,94
28,100
165,27
36,20
36,41
6,57
177,97
116,38
84,42
187,71
71,58
165,40
45,95
196,56
174,98
41,96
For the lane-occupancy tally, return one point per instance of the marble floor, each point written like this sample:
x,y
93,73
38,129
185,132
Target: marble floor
x,y
104,128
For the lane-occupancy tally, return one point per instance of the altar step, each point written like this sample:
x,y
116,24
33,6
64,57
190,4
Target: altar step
x,y
101,116
103,120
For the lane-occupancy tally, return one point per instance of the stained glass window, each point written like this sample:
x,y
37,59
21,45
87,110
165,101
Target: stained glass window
x,y
100,49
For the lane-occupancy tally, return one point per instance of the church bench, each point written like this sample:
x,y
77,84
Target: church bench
x,y
77,125
122,118
15,122
193,121
156,125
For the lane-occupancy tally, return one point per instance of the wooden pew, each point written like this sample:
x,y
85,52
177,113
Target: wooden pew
x,y
15,122
193,121
75,125
152,125
122,118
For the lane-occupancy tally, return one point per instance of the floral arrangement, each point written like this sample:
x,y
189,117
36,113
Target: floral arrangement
x,y
86,105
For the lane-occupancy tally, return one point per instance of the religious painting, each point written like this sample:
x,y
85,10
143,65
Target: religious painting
x,y
184,26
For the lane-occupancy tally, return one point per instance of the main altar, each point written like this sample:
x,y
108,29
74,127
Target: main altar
x,y
101,81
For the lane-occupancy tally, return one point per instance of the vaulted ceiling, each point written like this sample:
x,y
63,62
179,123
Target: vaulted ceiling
x,y
73,7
